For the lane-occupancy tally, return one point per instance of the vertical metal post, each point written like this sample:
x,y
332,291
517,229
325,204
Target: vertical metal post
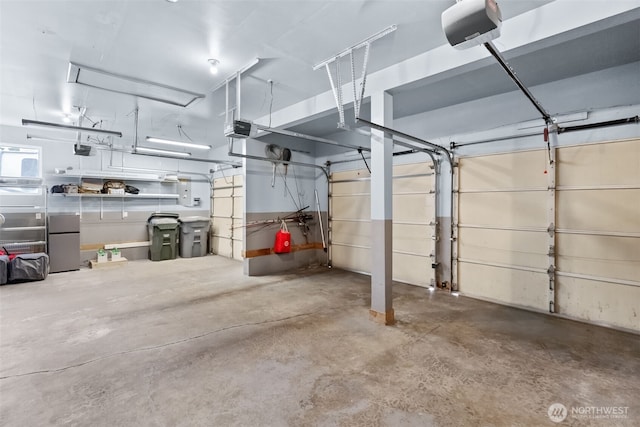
x,y
455,215
238,95
226,102
551,215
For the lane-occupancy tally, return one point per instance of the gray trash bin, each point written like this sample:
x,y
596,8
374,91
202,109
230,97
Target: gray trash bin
x,y
163,235
194,232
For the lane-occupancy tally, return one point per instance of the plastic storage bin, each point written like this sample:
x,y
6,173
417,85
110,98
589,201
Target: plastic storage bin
x,y
163,235
194,232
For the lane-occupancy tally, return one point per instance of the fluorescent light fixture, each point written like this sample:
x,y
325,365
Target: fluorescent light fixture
x,y
213,66
178,143
101,79
162,152
48,138
26,122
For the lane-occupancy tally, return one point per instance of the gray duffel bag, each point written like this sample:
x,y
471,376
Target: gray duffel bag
x,y
4,269
28,267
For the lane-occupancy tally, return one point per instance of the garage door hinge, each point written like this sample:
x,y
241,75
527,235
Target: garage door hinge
x,y
551,229
552,251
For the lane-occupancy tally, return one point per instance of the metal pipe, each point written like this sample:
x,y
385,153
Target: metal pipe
x,y
191,159
226,102
628,120
502,138
238,94
505,65
264,159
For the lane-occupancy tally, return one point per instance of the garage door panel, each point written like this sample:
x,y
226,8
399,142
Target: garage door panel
x,y
354,207
349,258
353,233
616,163
352,201
356,187
420,184
413,208
413,238
223,247
610,210
238,205
237,250
227,202
504,171
517,287
353,174
504,209
412,169
601,256
412,269
222,227
616,305
518,248
223,207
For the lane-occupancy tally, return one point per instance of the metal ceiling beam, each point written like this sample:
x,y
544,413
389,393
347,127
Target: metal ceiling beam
x,y
26,122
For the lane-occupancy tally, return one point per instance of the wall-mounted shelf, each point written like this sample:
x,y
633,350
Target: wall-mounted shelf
x,y
118,196
115,175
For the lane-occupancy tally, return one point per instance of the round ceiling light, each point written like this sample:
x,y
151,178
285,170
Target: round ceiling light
x,y
213,66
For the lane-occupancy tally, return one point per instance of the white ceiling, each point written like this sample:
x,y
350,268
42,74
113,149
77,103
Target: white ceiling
x,y
169,43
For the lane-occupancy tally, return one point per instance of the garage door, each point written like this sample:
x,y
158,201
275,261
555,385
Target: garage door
x,y
413,222
598,233
504,243
227,216
502,228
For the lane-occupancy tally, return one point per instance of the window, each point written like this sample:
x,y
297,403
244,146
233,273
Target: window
x,y
19,162
20,169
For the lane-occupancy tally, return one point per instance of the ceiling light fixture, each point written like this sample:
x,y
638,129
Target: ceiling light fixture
x,y
66,118
26,122
178,143
163,152
48,138
213,66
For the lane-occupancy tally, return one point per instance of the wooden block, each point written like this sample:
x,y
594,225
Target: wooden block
x,y
387,318
96,264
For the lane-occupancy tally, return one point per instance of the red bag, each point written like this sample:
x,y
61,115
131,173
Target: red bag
x,y
283,240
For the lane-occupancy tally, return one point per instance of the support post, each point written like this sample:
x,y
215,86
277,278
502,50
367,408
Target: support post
x,y
381,211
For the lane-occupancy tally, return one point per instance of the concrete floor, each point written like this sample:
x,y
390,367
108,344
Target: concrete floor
x,y
193,342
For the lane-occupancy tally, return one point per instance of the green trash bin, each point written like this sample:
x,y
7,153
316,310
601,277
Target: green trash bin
x,y
163,235
194,232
